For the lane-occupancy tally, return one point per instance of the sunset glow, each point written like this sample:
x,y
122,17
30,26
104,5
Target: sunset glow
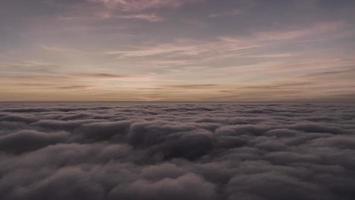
x,y
177,50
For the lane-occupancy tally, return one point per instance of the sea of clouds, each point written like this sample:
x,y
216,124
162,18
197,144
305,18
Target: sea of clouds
x,y
177,152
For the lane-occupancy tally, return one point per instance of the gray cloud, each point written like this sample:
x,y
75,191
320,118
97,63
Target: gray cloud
x,y
27,140
177,151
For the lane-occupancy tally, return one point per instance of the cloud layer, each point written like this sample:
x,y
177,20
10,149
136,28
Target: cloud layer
x,y
177,151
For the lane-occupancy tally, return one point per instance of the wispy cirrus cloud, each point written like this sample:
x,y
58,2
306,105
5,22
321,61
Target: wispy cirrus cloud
x,y
192,86
303,32
184,48
107,15
140,5
101,75
225,46
231,13
144,17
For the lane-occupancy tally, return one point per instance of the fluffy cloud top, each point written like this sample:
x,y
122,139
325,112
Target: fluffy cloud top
x,y
177,151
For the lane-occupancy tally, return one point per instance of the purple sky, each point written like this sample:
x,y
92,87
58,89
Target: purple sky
x,y
177,50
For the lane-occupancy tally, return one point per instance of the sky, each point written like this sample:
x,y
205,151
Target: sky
x,y
177,50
